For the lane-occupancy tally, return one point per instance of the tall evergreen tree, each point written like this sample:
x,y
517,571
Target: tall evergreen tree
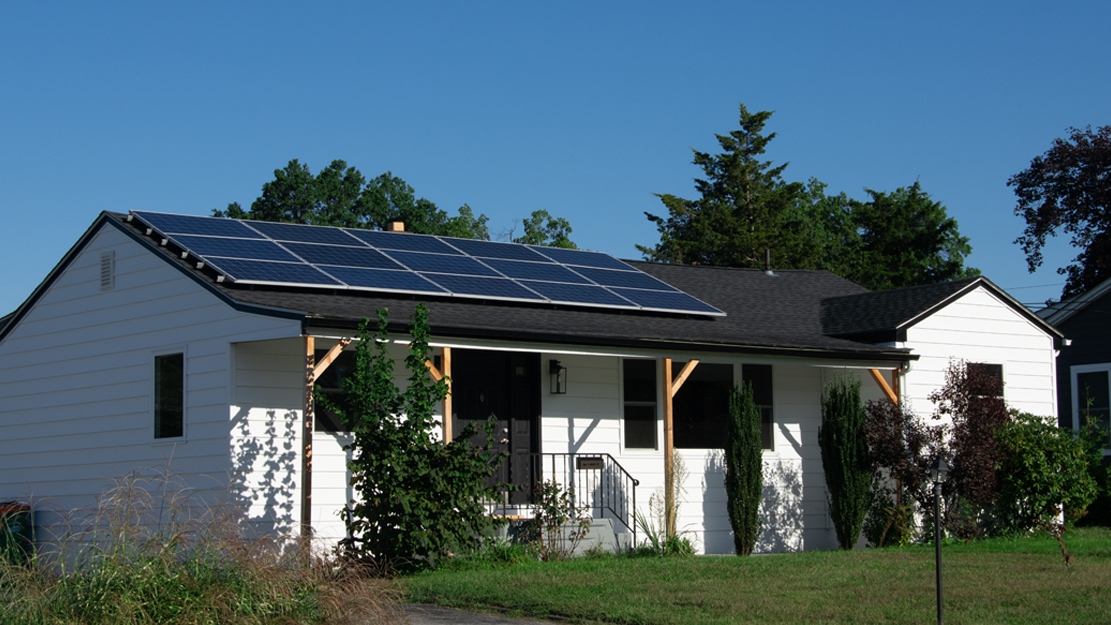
x,y
747,209
741,209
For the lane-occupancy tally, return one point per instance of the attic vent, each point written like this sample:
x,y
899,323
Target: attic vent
x,y
107,270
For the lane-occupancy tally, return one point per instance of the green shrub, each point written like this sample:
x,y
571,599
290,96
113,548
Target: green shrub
x,y
418,499
744,468
1044,474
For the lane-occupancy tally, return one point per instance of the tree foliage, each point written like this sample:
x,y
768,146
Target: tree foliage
x,y
741,209
744,468
340,195
845,459
747,209
418,498
1068,189
542,229
906,239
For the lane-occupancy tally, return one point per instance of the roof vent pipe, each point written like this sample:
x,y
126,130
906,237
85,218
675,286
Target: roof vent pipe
x,y
768,262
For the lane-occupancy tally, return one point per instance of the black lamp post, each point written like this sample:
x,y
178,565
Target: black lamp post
x,y
939,472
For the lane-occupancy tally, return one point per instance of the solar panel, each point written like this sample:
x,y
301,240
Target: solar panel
x,y
581,258
256,249
258,252
265,272
494,249
629,279
403,241
442,263
383,279
343,255
577,293
190,224
549,272
500,288
302,233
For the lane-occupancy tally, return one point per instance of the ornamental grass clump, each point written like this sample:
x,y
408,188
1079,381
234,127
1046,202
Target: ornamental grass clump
x,y
150,555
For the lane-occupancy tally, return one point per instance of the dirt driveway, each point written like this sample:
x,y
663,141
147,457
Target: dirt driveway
x,y
423,614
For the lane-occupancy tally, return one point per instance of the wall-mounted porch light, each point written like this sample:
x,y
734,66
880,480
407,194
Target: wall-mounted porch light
x,y
558,374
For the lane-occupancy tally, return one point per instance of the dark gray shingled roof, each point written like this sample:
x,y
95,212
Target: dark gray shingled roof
x,y
798,313
884,316
764,314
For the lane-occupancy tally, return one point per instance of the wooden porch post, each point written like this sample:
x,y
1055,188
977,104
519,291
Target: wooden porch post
x,y
671,387
669,447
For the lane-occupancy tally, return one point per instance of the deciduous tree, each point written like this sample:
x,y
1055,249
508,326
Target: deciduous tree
x,y
339,195
1068,189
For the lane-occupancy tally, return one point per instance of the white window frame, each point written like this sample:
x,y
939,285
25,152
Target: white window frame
x,y
1105,367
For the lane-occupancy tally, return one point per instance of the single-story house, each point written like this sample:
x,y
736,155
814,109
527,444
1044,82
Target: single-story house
x,y
192,342
1084,364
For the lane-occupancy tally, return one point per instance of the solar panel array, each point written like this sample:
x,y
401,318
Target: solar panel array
x,y
270,253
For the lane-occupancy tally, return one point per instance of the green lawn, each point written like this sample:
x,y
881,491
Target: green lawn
x,y
997,581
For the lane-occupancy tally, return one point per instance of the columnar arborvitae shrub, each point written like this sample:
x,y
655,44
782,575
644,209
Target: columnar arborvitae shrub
x,y
744,468
845,458
418,499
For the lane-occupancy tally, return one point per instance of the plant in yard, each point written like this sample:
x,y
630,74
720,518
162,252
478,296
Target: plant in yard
x,y
419,499
901,447
559,524
972,397
845,459
660,509
744,468
150,554
1044,474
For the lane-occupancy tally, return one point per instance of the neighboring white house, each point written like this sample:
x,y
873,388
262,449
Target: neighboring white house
x,y
135,354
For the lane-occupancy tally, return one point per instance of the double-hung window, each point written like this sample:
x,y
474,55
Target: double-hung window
x,y
639,403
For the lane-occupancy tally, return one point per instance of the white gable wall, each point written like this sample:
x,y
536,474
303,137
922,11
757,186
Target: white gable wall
x,y
76,379
979,327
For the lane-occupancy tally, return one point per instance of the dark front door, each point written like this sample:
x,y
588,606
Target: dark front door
x,y
505,385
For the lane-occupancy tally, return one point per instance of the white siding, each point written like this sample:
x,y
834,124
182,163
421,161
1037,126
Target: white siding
x,y
794,511
76,379
980,328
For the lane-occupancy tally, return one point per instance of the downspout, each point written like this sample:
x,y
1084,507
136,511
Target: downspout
x,y
306,442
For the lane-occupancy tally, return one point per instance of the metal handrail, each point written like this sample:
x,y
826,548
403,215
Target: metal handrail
x,y
594,481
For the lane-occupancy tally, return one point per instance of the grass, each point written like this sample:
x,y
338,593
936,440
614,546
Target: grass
x,y
149,556
995,581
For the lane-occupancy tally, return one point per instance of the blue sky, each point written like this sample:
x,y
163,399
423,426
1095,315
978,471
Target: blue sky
x,y
583,109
